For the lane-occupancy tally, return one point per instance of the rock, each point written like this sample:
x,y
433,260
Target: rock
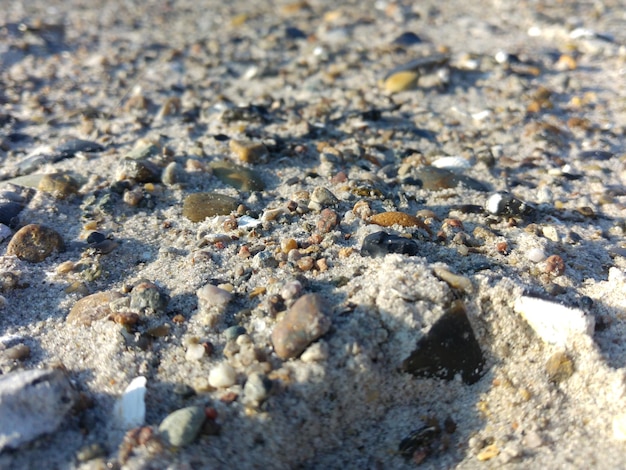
x,y
387,219
383,243
32,403
302,324
536,255
199,206
237,176
212,297
9,211
454,280
148,297
401,81
328,220
559,367
72,147
505,204
222,376
247,151
34,243
130,409
406,39
141,171
256,390
181,427
434,179
554,323
60,185
92,308
233,332
322,197
171,174
449,348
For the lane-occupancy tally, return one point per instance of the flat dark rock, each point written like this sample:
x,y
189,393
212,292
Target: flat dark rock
x,y
383,243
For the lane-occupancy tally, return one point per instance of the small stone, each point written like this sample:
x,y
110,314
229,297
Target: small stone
x,y
32,403
435,179
256,390
454,280
382,243
171,174
302,324
90,452
536,255
211,296
19,352
505,204
92,308
9,211
195,352
401,81
181,427
147,297
551,233
34,243
60,185
222,376
291,290
406,39
288,244
233,332
488,453
448,348
133,197
247,151
322,197
559,367
387,219
141,171
199,206
237,176
328,220
72,147
130,409
555,265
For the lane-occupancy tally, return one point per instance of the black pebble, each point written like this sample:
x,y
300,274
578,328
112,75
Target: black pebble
x,y
382,243
449,348
96,237
596,155
72,147
407,39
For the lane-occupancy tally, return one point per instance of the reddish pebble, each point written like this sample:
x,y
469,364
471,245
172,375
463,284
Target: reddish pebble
x,y
555,265
327,221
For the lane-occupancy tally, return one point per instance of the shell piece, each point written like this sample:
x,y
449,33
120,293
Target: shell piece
x,y
130,409
387,219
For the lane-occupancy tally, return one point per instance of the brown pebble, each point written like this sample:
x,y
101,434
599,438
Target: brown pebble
x,y
34,243
327,221
60,185
288,244
401,81
559,367
199,206
306,263
387,219
18,352
92,308
247,151
555,265
302,324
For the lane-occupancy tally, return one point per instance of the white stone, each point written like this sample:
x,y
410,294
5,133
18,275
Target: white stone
x,y
222,376
130,409
553,322
454,163
212,296
195,352
536,255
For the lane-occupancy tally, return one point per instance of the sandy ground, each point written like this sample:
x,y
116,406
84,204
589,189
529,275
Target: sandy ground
x,y
530,88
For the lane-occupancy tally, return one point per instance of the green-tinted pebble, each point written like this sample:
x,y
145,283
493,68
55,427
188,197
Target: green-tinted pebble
x,y
60,185
237,176
434,179
182,426
199,206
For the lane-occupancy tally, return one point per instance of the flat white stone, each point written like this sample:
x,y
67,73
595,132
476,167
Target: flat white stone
x,y
453,163
130,409
553,322
222,376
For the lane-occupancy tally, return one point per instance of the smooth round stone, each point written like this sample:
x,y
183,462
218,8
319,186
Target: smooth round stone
x,y
233,332
92,308
195,352
60,185
9,210
222,376
34,243
237,176
181,427
401,81
256,389
383,243
199,206
536,255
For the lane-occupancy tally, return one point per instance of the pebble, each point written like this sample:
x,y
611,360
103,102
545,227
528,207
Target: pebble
x,y
9,211
130,409
148,297
199,206
32,403
171,174
34,243
322,197
406,39
195,352
452,163
454,280
211,296
19,352
72,147
328,220
60,185
559,367
141,171
555,265
92,308
222,376
506,204
554,323
401,81
247,151
237,176
256,390
181,427
435,179
387,219
383,243
536,255
233,332
449,348
302,324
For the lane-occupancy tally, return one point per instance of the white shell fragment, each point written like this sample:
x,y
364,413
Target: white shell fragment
x,y
553,322
452,163
130,409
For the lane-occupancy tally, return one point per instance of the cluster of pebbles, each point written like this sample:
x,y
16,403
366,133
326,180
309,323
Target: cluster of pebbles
x,y
375,235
